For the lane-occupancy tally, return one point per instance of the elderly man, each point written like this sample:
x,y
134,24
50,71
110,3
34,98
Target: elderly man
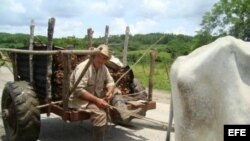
x,y
95,90
90,94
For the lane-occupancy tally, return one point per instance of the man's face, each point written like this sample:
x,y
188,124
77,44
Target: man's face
x,y
99,60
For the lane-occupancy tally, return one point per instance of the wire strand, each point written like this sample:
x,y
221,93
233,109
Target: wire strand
x,y
145,52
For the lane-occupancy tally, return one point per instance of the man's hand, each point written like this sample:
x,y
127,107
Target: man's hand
x,y
101,103
98,101
108,96
109,93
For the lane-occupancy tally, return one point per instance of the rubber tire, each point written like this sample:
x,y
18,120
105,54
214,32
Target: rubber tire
x,y
23,122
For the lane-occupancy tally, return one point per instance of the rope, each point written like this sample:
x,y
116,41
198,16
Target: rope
x,y
138,116
146,51
109,119
132,94
164,125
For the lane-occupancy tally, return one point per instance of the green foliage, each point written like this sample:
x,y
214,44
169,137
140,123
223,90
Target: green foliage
x,y
13,40
160,78
77,43
228,17
116,39
168,48
201,39
163,57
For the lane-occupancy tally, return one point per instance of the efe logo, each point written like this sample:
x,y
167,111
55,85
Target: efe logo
x,y
236,132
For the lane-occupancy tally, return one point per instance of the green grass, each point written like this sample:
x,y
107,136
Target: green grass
x,y
161,75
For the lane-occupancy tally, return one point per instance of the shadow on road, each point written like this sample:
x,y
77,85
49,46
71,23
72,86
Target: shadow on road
x,y
120,134
55,129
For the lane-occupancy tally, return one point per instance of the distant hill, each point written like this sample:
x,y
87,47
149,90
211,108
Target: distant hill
x,y
169,48
170,45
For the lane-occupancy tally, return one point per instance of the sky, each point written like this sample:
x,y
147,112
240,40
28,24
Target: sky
x,y
74,17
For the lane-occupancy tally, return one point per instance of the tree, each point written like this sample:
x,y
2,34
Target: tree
x,y
202,38
228,17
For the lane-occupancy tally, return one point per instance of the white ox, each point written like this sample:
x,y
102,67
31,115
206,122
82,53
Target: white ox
x,y
210,88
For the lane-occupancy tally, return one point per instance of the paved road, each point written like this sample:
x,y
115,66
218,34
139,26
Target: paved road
x,y
55,129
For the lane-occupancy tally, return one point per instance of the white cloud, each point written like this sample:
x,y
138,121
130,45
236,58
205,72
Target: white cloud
x,y
150,8
98,7
118,26
155,6
180,30
75,16
189,8
64,27
38,2
113,8
144,26
14,6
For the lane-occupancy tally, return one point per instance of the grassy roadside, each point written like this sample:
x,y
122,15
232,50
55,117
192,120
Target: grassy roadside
x,y
161,75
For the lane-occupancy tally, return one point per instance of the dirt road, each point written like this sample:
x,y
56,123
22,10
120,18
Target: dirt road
x,y
55,129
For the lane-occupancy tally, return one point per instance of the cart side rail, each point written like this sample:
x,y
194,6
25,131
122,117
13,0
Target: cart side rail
x,y
50,52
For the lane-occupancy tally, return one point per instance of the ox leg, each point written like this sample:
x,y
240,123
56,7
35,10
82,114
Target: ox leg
x,y
170,120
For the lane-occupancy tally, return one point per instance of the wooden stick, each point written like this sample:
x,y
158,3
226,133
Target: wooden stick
x,y
90,33
151,74
73,88
125,49
81,75
49,104
163,124
66,80
52,52
32,28
51,25
14,66
106,36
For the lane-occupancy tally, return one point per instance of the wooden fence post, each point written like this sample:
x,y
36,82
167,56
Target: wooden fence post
x,y
14,66
153,54
66,79
51,25
32,29
125,49
106,37
90,37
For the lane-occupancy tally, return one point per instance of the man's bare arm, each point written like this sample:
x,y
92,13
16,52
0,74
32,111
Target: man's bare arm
x,y
91,98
